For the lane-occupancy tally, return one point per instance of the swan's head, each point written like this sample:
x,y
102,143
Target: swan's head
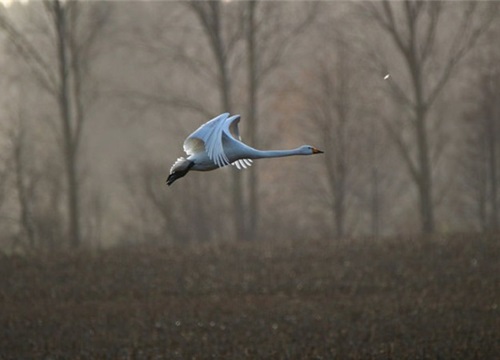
x,y
309,150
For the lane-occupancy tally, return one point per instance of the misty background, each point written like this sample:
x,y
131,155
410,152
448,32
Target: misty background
x,y
97,98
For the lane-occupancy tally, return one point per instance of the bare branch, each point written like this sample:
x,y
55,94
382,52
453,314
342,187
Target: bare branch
x,y
38,66
399,94
464,40
175,101
279,48
404,149
429,36
389,24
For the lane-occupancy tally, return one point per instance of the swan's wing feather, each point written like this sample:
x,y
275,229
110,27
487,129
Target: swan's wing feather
x,y
232,132
211,136
231,129
242,163
193,145
208,137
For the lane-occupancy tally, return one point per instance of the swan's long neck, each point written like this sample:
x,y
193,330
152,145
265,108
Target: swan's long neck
x,y
262,154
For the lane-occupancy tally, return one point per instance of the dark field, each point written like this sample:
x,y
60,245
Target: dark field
x,y
363,299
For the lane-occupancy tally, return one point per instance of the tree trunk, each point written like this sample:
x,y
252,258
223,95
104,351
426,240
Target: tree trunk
x,y
253,205
491,137
237,188
22,191
339,207
424,181
375,196
209,15
68,140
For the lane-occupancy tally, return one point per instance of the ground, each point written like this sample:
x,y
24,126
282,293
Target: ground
x,y
399,298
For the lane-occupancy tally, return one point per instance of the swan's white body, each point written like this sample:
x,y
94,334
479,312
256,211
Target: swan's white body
x,y
217,143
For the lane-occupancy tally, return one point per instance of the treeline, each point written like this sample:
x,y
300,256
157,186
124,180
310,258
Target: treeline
x,y
97,98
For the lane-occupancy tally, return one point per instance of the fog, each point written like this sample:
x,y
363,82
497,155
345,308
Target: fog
x,y
98,97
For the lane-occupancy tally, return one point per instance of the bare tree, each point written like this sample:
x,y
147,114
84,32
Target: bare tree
x,y
222,47
74,38
418,30
267,38
336,112
35,185
25,185
5,169
480,155
332,108
252,106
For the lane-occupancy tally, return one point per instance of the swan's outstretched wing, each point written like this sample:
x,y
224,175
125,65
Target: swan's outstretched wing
x,y
209,138
231,129
198,140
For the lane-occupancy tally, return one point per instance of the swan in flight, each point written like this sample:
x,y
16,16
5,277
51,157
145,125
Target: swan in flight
x,y
217,143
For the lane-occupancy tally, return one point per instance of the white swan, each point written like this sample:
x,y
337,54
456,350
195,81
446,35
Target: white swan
x,y
217,143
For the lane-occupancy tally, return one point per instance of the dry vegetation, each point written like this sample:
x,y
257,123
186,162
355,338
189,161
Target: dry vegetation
x,y
365,299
